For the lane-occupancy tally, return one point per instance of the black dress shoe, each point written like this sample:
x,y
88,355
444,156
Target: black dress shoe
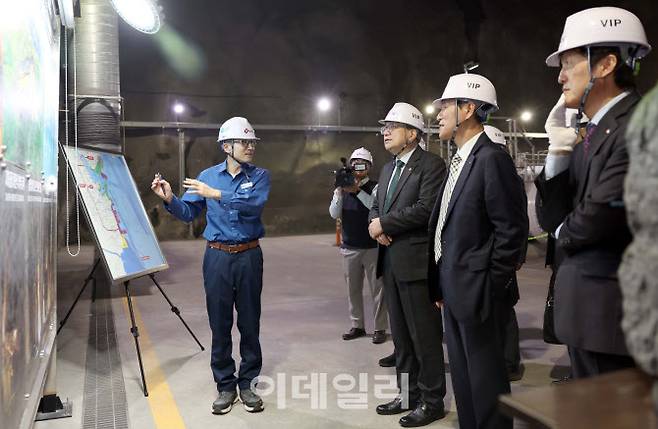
x,y
387,361
422,415
354,333
563,380
395,407
379,337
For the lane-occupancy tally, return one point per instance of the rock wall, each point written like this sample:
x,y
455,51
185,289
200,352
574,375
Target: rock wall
x,y
639,270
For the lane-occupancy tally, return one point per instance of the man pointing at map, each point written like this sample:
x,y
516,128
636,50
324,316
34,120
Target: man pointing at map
x,y
234,193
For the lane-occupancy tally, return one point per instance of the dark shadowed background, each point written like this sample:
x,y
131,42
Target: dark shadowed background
x,y
270,61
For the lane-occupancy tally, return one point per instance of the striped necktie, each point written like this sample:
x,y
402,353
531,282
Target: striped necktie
x,y
589,130
445,200
399,166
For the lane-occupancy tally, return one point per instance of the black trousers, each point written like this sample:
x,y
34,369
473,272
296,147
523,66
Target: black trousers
x,y
477,368
585,363
417,331
511,341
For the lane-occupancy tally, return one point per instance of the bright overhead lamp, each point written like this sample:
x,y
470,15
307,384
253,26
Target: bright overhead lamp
x,y
429,109
324,104
526,116
142,15
178,108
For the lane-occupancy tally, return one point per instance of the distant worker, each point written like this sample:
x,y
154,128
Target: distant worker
x,y
234,193
352,204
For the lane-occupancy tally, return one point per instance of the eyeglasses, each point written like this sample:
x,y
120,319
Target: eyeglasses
x,y
444,104
245,143
390,126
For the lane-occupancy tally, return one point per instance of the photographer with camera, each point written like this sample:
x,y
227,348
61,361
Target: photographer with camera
x,y
351,203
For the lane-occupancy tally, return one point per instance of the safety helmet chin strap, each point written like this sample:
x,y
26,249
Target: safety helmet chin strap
x,y
632,60
232,153
581,108
457,123
240,163
406,144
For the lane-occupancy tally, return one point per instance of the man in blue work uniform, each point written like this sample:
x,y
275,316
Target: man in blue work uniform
x,y
234,193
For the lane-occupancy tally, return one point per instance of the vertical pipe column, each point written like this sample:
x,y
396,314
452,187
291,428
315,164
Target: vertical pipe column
x,y
97,68
181,160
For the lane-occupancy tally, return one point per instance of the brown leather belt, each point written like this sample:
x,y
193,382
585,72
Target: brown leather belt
x,y
233,248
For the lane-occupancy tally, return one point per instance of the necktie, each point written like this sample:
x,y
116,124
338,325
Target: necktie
x,y
445,200
589,130
399,166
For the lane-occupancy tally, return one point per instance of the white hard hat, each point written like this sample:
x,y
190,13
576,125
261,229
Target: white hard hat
x,y
405,113
495,135
362,153
472,87
236,128
603,26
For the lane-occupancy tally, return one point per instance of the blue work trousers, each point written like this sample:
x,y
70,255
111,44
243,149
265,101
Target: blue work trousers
x,y
234,280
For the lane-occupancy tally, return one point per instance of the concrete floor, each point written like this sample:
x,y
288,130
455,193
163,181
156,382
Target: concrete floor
x,y
304,315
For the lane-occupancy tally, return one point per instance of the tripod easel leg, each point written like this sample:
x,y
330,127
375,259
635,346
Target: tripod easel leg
x,y
89,278
135,333
176,311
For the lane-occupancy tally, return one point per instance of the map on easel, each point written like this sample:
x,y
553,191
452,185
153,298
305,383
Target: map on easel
x,y
116,214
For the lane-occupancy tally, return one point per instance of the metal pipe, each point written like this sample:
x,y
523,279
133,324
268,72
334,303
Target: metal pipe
x,y
181,160
516,140
287,127
96,59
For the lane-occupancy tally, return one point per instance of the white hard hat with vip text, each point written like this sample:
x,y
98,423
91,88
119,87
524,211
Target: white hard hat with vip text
x,y
405,113
470,86
603,26
495,135
361,153
236,128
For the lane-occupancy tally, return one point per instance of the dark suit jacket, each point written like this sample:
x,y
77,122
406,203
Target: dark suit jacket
x,y
406,220
588,197
484,235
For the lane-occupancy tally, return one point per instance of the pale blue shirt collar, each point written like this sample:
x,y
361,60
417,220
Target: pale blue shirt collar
x,y
606,108
466,149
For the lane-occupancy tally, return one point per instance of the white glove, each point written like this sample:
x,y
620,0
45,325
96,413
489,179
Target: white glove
x,y
561,137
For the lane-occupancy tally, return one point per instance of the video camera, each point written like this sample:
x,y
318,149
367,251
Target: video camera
x,y
344,175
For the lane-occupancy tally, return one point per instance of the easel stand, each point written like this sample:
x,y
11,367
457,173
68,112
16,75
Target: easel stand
x,y
90,278
133,328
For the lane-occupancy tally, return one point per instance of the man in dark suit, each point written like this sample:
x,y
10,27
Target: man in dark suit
x,y
477,229
582,185
398,221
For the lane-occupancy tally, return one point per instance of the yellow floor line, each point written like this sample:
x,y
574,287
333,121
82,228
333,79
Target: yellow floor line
x,y
161,401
